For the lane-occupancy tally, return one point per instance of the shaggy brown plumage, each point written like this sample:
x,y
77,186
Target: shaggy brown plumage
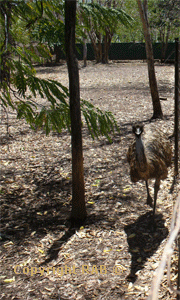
x,y
149,156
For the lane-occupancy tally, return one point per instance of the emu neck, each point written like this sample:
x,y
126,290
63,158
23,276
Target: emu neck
x,y
140,150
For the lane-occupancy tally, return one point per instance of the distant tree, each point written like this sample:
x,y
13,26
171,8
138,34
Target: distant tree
x,y
157,111
163,18
101,23
132,33
165,21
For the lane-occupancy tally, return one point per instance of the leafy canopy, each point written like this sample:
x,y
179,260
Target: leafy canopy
x,y
98,17
50,27
19,84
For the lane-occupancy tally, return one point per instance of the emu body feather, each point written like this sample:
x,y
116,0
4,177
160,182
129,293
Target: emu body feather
x,y
149,157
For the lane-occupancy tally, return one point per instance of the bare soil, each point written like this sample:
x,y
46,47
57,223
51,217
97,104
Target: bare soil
x,y
115,254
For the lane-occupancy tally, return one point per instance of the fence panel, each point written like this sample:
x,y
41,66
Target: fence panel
x,y
125,51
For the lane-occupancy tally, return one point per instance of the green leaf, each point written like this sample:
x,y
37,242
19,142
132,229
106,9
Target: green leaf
x,y
98,122
98,17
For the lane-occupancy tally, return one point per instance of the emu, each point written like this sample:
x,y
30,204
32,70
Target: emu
x,y
149,157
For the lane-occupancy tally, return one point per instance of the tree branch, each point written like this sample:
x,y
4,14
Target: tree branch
x,y
166,257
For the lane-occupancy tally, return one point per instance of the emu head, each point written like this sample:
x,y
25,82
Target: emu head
x,y
138,129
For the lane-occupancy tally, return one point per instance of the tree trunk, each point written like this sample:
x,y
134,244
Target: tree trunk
x,y
4,52
165,44
78,213
84,47
107,43
84,52
104,50
57,50
99,46
95,47
157,111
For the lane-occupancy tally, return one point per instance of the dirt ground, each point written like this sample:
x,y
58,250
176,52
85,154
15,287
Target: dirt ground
x,y
114,255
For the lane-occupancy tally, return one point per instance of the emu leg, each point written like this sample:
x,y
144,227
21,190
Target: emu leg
x,y
149,198
156,189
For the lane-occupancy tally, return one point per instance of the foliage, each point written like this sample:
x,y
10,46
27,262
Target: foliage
x,y
133,33
161,13
164,17
19,84
100,22
98,122
98,17
50,28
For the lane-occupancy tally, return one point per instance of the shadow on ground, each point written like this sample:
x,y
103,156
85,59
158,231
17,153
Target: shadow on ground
x,y
143,242
47,206
42,211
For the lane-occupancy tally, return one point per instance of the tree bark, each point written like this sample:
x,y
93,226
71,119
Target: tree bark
x,y
4,52
157,111
104,50
92,37
78,213
107,42
84,47
99,46
164,43
84,52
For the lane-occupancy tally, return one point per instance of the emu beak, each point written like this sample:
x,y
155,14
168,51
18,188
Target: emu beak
x,y
138,131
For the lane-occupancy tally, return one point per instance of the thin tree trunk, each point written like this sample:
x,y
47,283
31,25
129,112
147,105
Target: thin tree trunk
x,y
95,47
5,54
57,53
165,43
78,195
84,52
99,46
104,50
157,111
84,47
109,39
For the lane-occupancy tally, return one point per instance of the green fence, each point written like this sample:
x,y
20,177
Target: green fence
x,y
126,51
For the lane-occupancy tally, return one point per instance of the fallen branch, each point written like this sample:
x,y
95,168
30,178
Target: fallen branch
x,y
166,257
